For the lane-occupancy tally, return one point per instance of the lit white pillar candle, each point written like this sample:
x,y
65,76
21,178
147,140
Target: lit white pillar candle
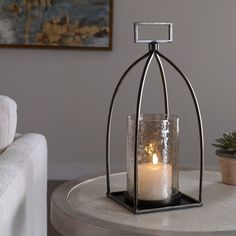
x,y
154,180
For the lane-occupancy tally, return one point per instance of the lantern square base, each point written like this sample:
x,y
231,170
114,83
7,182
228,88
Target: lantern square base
x,y
185,201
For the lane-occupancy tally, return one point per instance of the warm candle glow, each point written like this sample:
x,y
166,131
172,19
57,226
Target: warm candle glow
x,y
151,148
154,159
155,177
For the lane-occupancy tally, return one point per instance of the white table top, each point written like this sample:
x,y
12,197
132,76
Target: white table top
x,y
81,208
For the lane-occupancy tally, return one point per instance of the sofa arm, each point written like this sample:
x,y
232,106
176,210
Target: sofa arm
x,y
23,187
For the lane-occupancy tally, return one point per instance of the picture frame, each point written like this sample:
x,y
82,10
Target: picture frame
x,y
56,24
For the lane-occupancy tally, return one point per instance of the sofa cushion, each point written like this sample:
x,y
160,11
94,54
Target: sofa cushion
x,y
8,121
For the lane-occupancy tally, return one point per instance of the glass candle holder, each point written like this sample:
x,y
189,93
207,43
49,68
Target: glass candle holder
x,y
158,157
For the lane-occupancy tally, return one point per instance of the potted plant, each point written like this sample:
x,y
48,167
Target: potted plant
x,y
227,157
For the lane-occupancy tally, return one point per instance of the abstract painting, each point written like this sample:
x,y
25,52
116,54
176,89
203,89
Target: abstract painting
x,y
82,24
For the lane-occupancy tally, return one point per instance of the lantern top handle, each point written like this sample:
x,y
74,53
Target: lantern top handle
x,y
153,23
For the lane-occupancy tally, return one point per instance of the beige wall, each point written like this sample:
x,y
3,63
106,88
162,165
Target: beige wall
x,y
65,94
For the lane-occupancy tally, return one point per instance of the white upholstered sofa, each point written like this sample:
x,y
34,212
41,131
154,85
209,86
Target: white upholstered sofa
x,y
23,178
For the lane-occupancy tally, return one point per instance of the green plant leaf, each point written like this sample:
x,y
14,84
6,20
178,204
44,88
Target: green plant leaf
x,y
227,142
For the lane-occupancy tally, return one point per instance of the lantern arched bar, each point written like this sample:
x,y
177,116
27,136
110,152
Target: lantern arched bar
x,y
133,203
108,133
199,117
163,77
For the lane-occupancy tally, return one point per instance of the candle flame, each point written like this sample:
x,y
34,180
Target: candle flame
x,y
154,159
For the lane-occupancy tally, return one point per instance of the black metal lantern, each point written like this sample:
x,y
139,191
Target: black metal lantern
x,y
152,145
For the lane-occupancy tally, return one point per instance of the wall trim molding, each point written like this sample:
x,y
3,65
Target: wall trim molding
x,y
65,171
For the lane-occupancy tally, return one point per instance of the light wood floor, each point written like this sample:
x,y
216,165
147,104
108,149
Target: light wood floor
x,y
51,186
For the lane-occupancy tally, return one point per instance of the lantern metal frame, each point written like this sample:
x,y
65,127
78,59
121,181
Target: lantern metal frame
x,y
153,52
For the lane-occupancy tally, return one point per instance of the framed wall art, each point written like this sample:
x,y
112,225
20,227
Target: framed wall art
x,y
75,24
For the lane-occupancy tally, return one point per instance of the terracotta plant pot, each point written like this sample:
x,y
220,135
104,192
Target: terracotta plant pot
x,y
227,163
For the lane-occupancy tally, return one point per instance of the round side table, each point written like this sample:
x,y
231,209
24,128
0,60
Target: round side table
x,y
80,208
